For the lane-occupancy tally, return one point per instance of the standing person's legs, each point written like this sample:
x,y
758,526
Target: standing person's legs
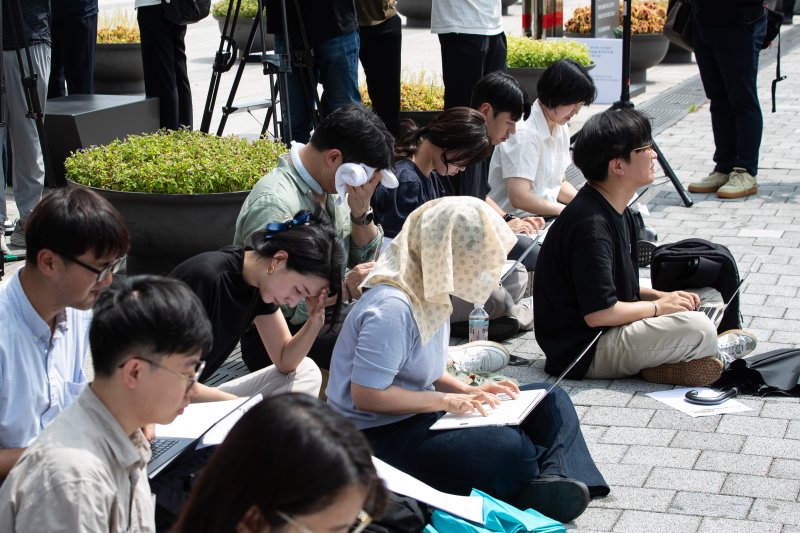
x,y
306,379
380,56
158,61
55,85
74,56
337,61
182,86
463,60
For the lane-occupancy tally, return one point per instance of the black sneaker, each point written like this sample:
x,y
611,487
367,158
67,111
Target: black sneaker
x,y
560,498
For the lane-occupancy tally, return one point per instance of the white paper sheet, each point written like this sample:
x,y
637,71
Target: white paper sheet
x,y
197,418
676,398
467,507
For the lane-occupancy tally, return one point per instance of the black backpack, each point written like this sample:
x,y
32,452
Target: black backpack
x,y
697,263
184,12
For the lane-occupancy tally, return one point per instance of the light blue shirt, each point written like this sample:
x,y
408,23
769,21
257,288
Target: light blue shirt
x,y
40,374
379,346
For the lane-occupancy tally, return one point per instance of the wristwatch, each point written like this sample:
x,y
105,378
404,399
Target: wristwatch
x,y
365,220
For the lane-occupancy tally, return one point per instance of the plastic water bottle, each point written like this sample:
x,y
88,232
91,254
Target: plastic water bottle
x,y
478,324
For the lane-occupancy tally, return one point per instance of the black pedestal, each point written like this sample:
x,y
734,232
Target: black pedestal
x,y
82,120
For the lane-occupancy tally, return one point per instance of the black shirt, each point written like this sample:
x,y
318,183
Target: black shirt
x,y
323,19
35,20
586,264
473,181
231,304
64,10
392,206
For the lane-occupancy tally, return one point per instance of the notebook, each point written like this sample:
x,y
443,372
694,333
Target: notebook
x,y
509,412
166,449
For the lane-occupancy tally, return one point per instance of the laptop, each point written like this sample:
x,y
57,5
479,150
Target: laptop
x,y
510,412
164,450
717,311
508,268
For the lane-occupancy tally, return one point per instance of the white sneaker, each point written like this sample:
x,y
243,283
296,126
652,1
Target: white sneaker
x,y
3,246
735,344
17,239
479,356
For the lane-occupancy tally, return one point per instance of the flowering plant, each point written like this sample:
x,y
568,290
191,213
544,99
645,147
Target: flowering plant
x,y
646,17
416,94
119,27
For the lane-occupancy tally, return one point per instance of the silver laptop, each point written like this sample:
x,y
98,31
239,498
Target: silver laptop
x,y
716,311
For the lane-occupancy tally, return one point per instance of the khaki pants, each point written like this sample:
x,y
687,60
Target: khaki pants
x,y
679,337
306,379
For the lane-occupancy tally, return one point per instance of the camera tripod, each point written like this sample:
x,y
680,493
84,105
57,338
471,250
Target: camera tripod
x,y
277,67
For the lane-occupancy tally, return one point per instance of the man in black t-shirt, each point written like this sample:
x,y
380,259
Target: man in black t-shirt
x,y
587,276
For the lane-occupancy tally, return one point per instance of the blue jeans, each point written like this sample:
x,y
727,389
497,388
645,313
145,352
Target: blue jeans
x,y
336,68
727,57
497,460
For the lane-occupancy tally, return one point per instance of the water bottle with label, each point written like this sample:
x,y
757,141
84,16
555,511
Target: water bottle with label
x,y
478,324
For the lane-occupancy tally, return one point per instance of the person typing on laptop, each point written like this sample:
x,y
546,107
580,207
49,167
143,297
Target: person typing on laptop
x,y
587,276
86,471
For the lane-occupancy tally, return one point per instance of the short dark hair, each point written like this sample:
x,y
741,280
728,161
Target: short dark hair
x,y
504,93
565,82
151,314
358,133
314,249
611,134
458,130
74,220
290,453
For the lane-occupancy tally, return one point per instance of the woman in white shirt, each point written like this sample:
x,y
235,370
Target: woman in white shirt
x,y
527,172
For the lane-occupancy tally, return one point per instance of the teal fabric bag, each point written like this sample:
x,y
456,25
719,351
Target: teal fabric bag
x,y
499,517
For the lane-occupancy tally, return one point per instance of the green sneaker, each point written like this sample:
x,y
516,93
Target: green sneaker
x,y
740,184
710,183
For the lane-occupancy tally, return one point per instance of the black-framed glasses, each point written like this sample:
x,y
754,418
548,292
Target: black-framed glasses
x,y
363,519
198,369
646,147
102,273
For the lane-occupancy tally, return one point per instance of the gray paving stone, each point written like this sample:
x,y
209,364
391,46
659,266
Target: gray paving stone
x,y
776,511
600,397
593,433
793,432
661,456
636,498
606,453
743,425
761,487
701,440
726,525
617,474
785,468
635,385
702,504
754,404
596,519
640,401
628,435
682,478
783,448
672,419
732,462
618,416
769,311
639,521
781,410
776,323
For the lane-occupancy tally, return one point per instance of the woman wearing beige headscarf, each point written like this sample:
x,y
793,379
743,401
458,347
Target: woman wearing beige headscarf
x,y
388,371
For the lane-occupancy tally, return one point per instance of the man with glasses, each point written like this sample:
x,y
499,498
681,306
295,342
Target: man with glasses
x,y
587,275
87,470
76,242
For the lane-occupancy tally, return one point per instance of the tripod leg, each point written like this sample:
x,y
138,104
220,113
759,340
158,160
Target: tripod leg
x,y
672,177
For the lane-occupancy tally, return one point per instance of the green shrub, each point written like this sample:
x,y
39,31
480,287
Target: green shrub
x,y
177,162
527,52
247,9
117,27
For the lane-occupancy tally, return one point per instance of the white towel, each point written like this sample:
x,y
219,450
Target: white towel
x,y
357,174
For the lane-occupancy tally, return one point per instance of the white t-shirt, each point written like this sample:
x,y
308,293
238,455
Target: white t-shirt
x,y
144,3
534,154
476,17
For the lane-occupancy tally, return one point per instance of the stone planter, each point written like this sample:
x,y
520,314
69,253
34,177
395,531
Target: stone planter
x,y
677,55
420,118
242,32
167,229
417,12
118,69
528,77
647,50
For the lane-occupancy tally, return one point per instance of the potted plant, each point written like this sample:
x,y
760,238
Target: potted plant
x,y
421,98
179,191
528,58
118,56
244,23
648,44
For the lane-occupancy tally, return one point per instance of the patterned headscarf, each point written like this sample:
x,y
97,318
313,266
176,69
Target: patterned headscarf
x,y
451,246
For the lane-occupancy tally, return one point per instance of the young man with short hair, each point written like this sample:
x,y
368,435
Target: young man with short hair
x,y
76,241
587,276
87,470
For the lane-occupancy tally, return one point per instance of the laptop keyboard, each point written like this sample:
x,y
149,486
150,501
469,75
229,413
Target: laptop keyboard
x,y
160,446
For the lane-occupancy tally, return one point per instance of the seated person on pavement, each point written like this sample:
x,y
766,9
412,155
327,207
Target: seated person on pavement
x,y
587,276
388,371
86,471
527,172
307,178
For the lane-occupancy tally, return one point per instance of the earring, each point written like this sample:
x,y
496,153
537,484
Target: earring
x,y
271,268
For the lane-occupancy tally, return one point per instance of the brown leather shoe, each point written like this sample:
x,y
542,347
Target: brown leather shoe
x,y
696,373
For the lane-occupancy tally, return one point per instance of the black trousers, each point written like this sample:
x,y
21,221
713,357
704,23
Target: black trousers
x,y
164,62
72,56
467,58
380,57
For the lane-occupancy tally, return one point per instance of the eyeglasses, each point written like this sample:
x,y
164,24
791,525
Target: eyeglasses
x,y
102,273
646,147
363,519
198,369
448,162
